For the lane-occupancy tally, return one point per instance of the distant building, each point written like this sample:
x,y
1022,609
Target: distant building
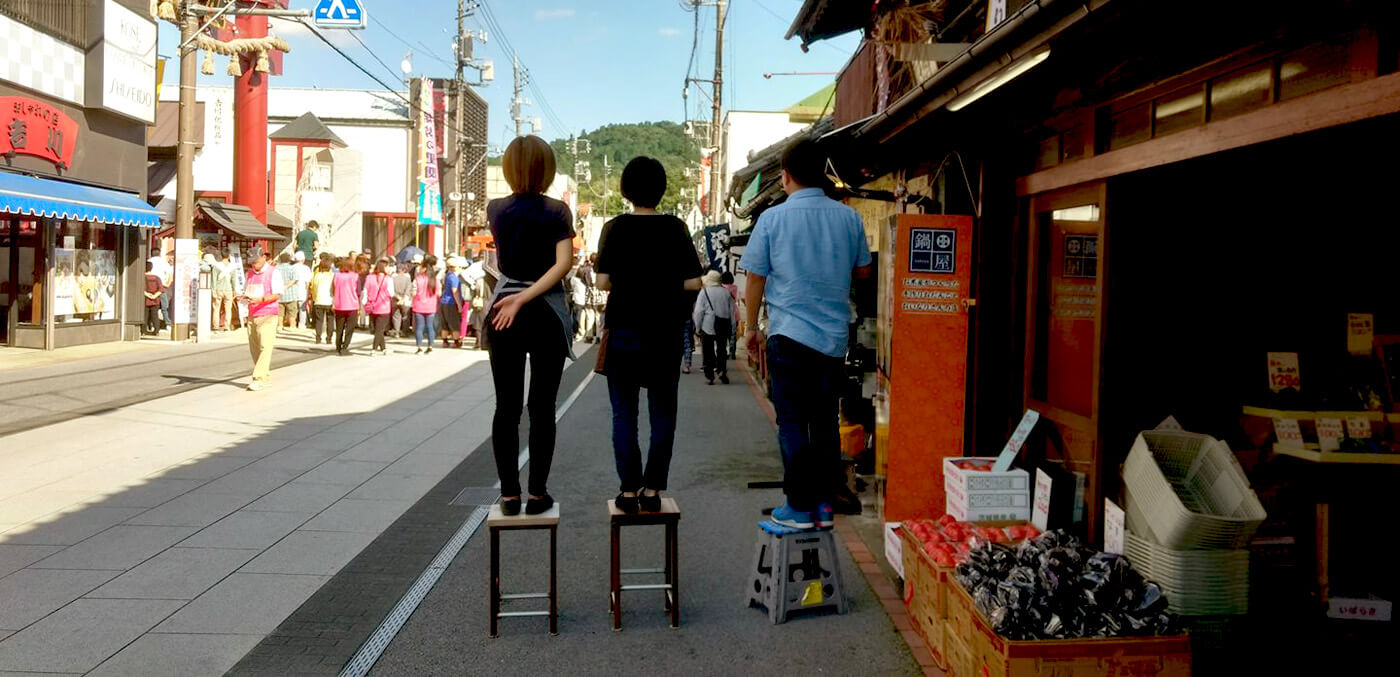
x,y
746,131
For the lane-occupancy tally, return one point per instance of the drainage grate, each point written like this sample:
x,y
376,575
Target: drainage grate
x,y
473,496
373,648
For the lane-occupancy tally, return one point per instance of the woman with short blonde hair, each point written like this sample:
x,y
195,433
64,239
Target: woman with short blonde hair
x,y
529,317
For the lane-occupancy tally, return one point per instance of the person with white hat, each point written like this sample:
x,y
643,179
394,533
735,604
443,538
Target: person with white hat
x,y
303,279
714,319
450,304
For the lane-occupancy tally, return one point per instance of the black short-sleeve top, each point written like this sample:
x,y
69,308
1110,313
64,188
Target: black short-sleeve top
x,y
647,257
527,227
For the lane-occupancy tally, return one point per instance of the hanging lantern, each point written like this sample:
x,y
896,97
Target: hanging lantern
x,y
206,66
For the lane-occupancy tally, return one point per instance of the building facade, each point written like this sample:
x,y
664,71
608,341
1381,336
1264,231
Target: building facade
x,y
77,90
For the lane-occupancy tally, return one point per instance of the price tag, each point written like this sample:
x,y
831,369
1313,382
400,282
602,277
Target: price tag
x,y
1330,433
1288,432
1112,527
1361,330
1358,609
1040,505
1358,427
1018,438
1283,371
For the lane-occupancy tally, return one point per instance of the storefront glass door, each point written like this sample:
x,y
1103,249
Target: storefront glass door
x,y
1065,330
21,274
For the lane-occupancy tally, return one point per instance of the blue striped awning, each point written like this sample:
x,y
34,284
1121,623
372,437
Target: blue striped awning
x,y
20,194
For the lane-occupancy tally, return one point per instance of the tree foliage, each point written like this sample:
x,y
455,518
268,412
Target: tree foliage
x,y
619,143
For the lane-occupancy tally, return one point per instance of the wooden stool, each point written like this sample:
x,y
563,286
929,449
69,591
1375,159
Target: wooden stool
x,y
670,516
496,523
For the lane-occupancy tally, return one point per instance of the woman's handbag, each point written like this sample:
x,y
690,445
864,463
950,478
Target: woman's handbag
x,y
601,364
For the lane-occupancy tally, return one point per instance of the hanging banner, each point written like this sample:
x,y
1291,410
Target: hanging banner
x,y
717,247
429,191
185,288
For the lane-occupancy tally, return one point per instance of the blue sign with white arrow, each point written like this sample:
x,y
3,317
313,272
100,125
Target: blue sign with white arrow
x,y
338,14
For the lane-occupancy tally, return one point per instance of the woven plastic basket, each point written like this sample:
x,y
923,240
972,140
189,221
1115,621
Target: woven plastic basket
x,y
1197,582
1186,491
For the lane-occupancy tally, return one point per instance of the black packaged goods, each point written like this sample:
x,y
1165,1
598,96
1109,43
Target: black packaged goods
x,y
1052,588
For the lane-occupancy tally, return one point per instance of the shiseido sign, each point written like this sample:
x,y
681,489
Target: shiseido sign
x,y
121,66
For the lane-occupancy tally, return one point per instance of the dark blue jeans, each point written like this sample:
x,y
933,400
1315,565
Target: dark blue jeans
x,y
805,389
633,364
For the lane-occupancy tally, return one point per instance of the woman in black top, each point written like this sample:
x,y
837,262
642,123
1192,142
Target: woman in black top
x,y
534,242
648,264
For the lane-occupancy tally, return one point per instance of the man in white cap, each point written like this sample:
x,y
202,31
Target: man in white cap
x,y
303,278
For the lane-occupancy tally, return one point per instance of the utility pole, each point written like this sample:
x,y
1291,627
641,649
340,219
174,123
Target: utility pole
x,y
184,149
517,103
716,139
459,163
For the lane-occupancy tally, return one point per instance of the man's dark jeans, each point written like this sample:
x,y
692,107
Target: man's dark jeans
x,y
632,360
805,390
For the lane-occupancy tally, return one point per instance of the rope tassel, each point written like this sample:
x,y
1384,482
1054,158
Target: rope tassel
x,y
234,68
263,66
207,65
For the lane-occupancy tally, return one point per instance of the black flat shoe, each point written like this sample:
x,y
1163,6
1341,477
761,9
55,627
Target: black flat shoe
x,y
510,506
535,506
627,504
649,503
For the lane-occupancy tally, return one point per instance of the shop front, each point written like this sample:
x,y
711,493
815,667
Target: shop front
x,y
69,247
1179,264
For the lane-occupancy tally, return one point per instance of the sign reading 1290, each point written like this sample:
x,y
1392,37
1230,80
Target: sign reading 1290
x,y
338,14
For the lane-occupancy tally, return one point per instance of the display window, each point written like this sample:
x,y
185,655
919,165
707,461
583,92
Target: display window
x,y
85,280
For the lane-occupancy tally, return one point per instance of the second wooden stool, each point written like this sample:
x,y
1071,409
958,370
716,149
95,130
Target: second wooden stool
x,y
669,516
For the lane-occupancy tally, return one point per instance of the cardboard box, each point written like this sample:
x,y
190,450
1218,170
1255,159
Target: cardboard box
x,y
996,656
923,593
983,495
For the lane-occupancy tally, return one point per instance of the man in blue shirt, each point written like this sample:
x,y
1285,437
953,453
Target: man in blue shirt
x,y
801,258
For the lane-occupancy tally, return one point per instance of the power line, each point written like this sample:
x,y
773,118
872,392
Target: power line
x,y
420,46
493,23
371,53
409,103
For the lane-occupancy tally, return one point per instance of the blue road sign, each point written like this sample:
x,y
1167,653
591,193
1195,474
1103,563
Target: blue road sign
x,y
338,14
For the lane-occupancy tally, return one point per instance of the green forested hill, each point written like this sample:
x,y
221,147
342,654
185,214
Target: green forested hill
x,y
665,141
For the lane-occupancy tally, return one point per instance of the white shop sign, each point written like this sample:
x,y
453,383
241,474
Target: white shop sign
x,y
126,59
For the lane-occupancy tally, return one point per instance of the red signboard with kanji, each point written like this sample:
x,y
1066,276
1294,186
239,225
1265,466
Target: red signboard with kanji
x,y
31,127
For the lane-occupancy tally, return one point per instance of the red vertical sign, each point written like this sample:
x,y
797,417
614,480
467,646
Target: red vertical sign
x,y
928,359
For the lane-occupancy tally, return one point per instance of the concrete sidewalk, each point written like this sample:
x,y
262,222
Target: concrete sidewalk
x,y
724,441
169,537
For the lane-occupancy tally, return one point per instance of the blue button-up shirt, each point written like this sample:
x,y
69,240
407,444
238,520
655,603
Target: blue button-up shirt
x,y
807,247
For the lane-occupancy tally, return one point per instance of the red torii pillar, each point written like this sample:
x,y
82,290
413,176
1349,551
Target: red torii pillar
x,y
250,121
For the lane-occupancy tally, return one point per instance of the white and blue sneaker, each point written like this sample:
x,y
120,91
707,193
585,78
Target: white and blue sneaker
x,y
826,517
786,516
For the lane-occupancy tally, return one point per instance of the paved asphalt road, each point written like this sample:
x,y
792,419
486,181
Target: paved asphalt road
x,y
39,396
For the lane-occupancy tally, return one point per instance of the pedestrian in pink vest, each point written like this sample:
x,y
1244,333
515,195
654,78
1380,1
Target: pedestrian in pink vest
x,y
262,291
379,291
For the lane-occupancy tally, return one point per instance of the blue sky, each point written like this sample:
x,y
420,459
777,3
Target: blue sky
x,y
595,61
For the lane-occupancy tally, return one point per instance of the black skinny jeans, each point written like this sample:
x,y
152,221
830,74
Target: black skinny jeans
x,y
381,325
535,333
152,319
344,328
